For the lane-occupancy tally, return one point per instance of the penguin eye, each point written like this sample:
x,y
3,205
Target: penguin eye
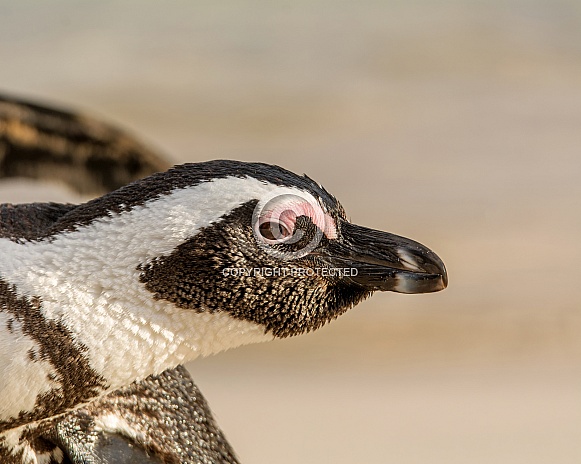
x,y
274,230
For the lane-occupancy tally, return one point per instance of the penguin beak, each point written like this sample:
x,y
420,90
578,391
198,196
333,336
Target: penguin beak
x,y
379,261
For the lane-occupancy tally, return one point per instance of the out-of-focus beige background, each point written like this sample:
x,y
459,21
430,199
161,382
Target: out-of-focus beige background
x,y
454,122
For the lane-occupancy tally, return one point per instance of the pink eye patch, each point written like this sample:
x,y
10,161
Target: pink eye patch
x,y
287,208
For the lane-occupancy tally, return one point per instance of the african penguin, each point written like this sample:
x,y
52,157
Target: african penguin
x,y
89,156
102,302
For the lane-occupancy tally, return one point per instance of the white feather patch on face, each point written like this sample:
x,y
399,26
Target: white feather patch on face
x,y
88,278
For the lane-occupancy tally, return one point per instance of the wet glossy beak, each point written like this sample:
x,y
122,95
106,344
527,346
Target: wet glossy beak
x,y
380,261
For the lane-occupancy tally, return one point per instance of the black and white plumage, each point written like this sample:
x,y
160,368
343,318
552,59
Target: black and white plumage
x,y
93,158
101,301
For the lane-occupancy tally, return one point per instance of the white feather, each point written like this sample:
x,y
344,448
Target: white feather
x,y
88,279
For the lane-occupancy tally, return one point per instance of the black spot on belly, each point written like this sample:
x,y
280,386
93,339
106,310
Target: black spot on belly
x,y
78,381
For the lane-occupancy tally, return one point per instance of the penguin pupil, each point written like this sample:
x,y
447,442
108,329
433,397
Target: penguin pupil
x,y
273,230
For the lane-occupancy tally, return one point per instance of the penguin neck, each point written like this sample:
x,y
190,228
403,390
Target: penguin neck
x,y
125,333
88,279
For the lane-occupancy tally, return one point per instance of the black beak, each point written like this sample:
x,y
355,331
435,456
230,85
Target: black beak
x,y
386,262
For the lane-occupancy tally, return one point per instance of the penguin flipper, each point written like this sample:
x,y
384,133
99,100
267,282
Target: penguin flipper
x,y
100,448
162,419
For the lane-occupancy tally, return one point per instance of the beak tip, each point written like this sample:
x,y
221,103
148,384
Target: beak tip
x,y
444,280
420,283
388,262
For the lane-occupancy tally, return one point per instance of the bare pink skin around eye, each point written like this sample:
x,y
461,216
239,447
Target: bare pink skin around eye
x,y
287,213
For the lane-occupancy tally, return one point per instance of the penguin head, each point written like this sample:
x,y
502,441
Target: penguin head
x,y
283,254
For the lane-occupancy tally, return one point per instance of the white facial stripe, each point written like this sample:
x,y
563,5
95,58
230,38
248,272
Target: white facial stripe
x,y
89,279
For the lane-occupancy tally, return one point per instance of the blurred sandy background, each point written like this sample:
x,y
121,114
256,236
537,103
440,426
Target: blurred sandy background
x,y
454,122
